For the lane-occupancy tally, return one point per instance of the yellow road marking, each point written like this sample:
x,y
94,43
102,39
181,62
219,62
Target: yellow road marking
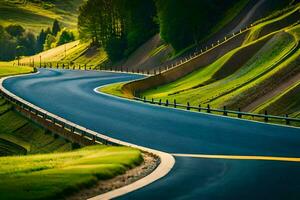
x,y
238,157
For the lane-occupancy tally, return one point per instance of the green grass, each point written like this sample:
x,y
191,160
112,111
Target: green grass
x,y
286,103
114,89
281,16
8,69
53,176
35,15
202,86
272,52
76,52
17,130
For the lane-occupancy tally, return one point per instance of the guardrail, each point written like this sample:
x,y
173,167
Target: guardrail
x,y
56,121
166,160
225,112
85,67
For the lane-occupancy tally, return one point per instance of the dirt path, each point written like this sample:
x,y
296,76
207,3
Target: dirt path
x,y
149,165
280,89
250,16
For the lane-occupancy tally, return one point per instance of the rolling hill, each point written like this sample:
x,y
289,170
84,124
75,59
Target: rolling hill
x,y
37,14
255,69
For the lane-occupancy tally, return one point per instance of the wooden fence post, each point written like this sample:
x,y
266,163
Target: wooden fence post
x,y
188,106
225,112
208,108
266,116
167,102
239,114
175,103
287,120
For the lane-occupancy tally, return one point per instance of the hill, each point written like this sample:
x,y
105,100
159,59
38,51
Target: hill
x,y
256,69
37,14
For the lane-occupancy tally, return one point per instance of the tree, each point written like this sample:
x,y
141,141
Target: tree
x,y
15,30
64,37
119,26
7,45
28,41
50,42
186,22
55,27
41,38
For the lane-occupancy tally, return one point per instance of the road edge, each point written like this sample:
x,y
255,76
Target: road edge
x,y
167,161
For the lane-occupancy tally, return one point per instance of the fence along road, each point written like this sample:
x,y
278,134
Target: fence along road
x,y
250,160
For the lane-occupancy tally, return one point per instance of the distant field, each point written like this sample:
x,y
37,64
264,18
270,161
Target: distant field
x,y
36,14
7,69
54,176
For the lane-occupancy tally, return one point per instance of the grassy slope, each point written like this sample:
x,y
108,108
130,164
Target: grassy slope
x,y
286,103
274,50
184,89
18,130
50,176
7,69
76,52
35,16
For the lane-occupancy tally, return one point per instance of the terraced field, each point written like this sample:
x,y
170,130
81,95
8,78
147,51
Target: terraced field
x,y
268,57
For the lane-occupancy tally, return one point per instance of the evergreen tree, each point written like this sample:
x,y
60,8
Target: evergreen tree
x,y
50,42
15,30
41,40
64,37
119,26
55,27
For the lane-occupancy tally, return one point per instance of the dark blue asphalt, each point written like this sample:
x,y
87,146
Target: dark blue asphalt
x,y
70,95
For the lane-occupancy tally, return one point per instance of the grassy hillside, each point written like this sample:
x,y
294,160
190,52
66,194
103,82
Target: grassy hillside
x,y
263,66
76,52
54,176
287,102
7,69
204,86
38,14
18,136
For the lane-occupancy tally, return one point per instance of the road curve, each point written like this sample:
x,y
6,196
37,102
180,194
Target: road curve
x,y
70,95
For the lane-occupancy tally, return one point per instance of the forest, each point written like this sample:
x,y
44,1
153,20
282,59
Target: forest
x,y
16,41
120,26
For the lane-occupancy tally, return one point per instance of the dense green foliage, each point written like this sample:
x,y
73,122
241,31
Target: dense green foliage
x,y
117,26
183,23
15,41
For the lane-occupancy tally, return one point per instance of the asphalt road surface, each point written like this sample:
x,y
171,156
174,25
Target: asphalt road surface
x,y
70,94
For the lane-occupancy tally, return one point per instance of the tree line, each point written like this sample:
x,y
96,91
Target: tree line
x,y
16,41
120,26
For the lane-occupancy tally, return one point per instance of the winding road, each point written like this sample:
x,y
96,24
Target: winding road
x,y
216,157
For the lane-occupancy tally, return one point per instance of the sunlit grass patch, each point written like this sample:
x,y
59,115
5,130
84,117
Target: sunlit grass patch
x,y
50,176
